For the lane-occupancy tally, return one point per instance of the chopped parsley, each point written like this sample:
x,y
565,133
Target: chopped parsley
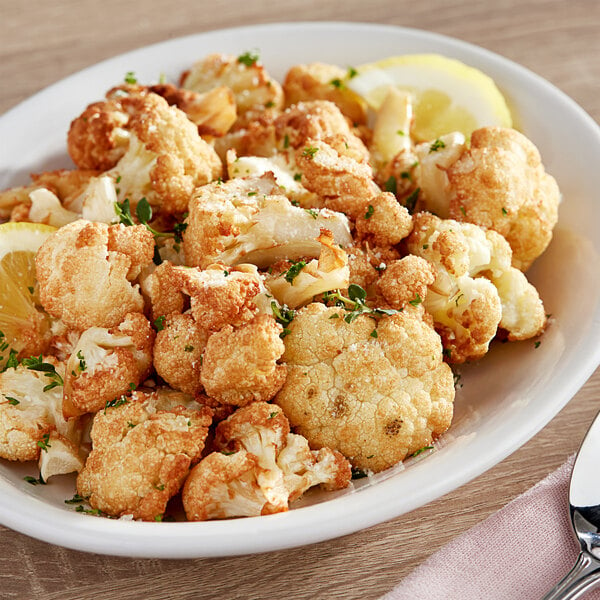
x,y
504,211
159,322
130,78
411,201
188,348
116,402
76,499
249,58
82,365
12,400
294,271
463,211
370,211
310,152
437,145
337,83
416,300
400,132
354,304
33,480
44,443
352,72
313,213
88,511
374,333
36,363
421,450
537,344
297,176
273,414
390,184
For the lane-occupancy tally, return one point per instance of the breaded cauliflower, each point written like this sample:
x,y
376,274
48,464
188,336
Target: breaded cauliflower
x,y
302,280
376,391
166,158
385,222
252,86
178,352
465,302
85,272
261,468
31,420
141,455
500,184
162,291
241,365
319,81
251,221
107,363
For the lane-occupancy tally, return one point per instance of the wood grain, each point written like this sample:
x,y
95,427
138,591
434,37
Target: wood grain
x,y
41,42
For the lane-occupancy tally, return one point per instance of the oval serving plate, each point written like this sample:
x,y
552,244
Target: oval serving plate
x,y
502,401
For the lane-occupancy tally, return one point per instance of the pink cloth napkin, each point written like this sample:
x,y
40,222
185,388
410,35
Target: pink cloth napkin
x,y
519,553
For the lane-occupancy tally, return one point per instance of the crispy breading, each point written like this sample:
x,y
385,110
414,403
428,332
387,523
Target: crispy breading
x,y
178,352
107,363
375,399
344,184
385,222
249,81
161,289
320,81
500,184
85,280
220,295
405,281
241,365
141,455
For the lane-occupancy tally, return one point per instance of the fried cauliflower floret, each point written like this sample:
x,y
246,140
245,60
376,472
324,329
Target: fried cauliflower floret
x,y
251,221
374,398
260,469
99,136
85,272
166,158
250,83
31,420
178,352
465,302
344,184
500,184
221,295
385,221
106,363
162,291
319,81
301,281
406,281
141,455
240,365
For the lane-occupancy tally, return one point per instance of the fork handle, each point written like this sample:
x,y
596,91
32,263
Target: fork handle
x,y
584,576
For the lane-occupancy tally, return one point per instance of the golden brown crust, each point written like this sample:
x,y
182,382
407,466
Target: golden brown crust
x,y
141,457
240,365
405,281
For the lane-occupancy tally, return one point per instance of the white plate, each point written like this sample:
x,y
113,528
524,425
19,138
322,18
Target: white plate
x,y
505,399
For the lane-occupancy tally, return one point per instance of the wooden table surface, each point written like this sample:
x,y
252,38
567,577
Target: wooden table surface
x,y
41,42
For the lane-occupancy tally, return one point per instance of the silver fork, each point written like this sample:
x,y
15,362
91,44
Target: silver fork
x,y
584,508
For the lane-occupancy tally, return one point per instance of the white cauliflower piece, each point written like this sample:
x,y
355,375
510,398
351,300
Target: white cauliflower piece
x,y
31,420
302,281
86,272
249,220
107,363
260,468
465,302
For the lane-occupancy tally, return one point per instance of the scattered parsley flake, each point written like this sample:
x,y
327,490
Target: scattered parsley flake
x,y
31,290
411,201
130,78
297,177
252,193
44,443
400,132
370,211
312,212
425,246
82,365
159,322
337,83
76,499
504,211
283,315
374,333
463,211
294,271
310,152
421,450
352,72
416,300
116,402
36,363
33,480
335,316
249,58
273,414
12,400
437,145
188,348
285,332
390,184
537,344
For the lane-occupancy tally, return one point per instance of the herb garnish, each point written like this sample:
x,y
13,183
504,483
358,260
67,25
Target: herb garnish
x,y
44,443
437,145
310,152
354,304
411,201
294,271
36,363
249,58
116,402
130,78
370,211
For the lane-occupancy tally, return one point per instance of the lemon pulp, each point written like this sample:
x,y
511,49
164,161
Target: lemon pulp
x,y
23,323
447,94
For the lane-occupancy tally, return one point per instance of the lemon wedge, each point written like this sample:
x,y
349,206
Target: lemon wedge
x,y
24,326
447,94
